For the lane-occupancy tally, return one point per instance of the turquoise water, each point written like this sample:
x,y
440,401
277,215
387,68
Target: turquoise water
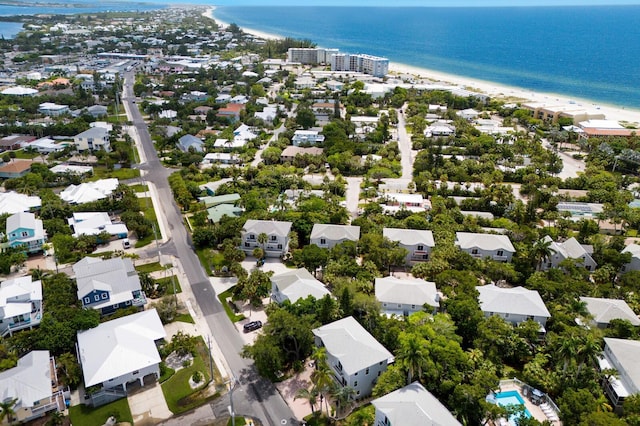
x,y
584,52
511,398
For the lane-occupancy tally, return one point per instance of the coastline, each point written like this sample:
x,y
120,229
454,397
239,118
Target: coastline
x,y
513,93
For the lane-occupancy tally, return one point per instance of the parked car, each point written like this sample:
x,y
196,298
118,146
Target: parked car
x,y
126,243
252,326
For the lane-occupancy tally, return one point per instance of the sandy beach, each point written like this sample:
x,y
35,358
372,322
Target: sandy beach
x,y
495,90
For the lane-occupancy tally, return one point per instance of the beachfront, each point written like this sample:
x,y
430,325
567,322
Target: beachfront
x,y
511,94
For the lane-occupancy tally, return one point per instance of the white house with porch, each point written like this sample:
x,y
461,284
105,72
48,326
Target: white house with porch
x,y
295,285
406,296
277,233
355,357
514,305
20,304
604,311
120,353
621,355
328,235
569,249
496,247
418,243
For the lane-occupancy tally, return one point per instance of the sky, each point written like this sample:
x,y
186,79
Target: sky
x,y
440,3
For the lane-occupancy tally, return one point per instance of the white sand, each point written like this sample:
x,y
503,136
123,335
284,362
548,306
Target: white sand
x,y
496,90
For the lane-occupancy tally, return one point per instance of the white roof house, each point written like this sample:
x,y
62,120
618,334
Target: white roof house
x,y
569,249
116,348
497,247
354,355
295,285
310,137
634,263
89,191
108,284
605,310
405,296
515,305
412,405
328,235
29,382
409,237
20,304
622,355
93,223
12,202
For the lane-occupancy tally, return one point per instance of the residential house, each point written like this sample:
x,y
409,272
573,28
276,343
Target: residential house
x,y
52,109
634,262
97,111
15,169
47,145
221,158
355,357
187,142
496,247
394,202
277,233
418,243
621,355
93,139
440,129
20,304
268,114
569,249
12,202
580,210
89,191
406,296
328,236
231,112
412,405
13,142
468,114
296,285
33,384
26,232
306,137
94,223
211,201
119,354
604,311
291,152
515,305
108,285
216,213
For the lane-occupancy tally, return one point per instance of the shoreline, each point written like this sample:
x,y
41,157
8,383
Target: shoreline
x,y
497,90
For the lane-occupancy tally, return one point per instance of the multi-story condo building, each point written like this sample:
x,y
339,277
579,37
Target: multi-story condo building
x,y
367,64
310,56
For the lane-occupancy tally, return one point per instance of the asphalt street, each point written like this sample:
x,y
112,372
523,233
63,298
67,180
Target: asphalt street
x,y
253,395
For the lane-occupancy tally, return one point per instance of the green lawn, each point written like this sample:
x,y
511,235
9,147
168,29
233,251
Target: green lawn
x,y
149,267
177,391
139,187
22,154
169,285
232,315
204,255
101,172
146,207
238,421
185,318
83,415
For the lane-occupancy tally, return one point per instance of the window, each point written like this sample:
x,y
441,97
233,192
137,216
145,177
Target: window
x,y
588,267
384,304
474,251
96,297
420,248
500,253
379,373
25,234
279,246
413,306
366,371
87,300
323,241
127,303
252,237
273,238
247,245
356,373
355,383
425,256
136,372
506,315
399,305
104,295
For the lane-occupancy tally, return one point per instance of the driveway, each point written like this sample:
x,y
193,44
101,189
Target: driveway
x,y
353,195
148,406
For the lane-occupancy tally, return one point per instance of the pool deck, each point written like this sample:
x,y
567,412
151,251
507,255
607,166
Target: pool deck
x,y
535,411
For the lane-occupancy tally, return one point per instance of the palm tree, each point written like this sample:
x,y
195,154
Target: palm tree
x,y
342,395
542,251
588,352
568,350
7,410
412,354
310,395
262,239
603,405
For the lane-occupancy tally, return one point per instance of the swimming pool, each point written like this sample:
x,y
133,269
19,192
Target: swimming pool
x,y
511,398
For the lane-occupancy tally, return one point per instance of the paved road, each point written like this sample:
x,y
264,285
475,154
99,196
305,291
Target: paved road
x,y
404,145
254,395
352,195
571,167
276,133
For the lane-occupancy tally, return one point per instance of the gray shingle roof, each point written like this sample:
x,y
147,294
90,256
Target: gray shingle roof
x,y
414,405
605,310
348,341
406,291
409,237
335,232
29,381
489,242
269,227
299,284
627,353
517,301
117,274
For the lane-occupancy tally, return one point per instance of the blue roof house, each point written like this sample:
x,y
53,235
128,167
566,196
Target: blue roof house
x,y
189,141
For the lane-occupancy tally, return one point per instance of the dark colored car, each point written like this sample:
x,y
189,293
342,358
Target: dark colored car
x,y
252,326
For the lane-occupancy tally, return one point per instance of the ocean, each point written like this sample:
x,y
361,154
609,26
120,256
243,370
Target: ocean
x,y
590,52
586,52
